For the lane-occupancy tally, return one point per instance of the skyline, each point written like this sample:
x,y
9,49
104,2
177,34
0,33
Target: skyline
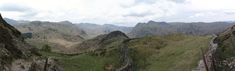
x,y
117,12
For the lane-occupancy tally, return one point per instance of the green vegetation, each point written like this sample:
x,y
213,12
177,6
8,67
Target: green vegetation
x,y
46,48
106,58
84,62
153,53
225,51
167,53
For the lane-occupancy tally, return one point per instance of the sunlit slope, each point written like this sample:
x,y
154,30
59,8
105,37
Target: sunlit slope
x,y
169,53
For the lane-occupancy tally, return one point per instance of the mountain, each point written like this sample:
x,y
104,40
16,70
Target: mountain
x,y
58,35
63,35
164,28
11,21
151,28
94,30
16,55
106,52
116,52
102,41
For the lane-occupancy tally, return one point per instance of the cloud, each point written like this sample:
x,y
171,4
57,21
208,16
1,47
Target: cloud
x,y
121,12
145,1
179,1
14,7
230,13
138,15
17,10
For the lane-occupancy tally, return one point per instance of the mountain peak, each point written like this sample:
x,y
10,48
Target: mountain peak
x,y
65,22
153,22
116,34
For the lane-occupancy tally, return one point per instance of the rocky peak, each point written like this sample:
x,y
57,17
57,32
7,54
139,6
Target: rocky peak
x,y
160,23
65,22
116,34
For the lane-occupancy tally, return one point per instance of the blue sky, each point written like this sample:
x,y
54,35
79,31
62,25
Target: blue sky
x,y
119,12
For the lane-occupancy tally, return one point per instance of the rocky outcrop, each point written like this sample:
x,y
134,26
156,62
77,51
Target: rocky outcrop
x,y
125,58
16,55
224,55
207,62
114,34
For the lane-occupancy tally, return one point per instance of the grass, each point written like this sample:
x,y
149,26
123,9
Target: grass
x,y
181,53
152,53
83,62
91,61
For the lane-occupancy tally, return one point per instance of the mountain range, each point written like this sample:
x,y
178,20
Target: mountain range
x,y
164,28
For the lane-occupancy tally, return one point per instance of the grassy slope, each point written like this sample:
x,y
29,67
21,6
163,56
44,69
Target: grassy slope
x,y
169,53
176,53
83,62
88,61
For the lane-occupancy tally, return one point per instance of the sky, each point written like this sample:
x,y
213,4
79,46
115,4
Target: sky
x,y
119,12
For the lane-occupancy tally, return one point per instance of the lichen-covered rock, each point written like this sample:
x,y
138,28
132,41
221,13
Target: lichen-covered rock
x,y
225,55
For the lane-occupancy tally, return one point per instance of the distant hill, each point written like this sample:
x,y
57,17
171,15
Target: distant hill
x,y
94,30
11,21
59,35
164,28
102,41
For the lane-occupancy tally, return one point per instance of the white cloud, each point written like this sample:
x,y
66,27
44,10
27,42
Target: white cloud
x,y
122,12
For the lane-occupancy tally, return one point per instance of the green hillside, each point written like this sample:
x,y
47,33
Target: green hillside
x,y
169,53
155,53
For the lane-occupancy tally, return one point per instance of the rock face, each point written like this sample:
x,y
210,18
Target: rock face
x,y
224,56
15,54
